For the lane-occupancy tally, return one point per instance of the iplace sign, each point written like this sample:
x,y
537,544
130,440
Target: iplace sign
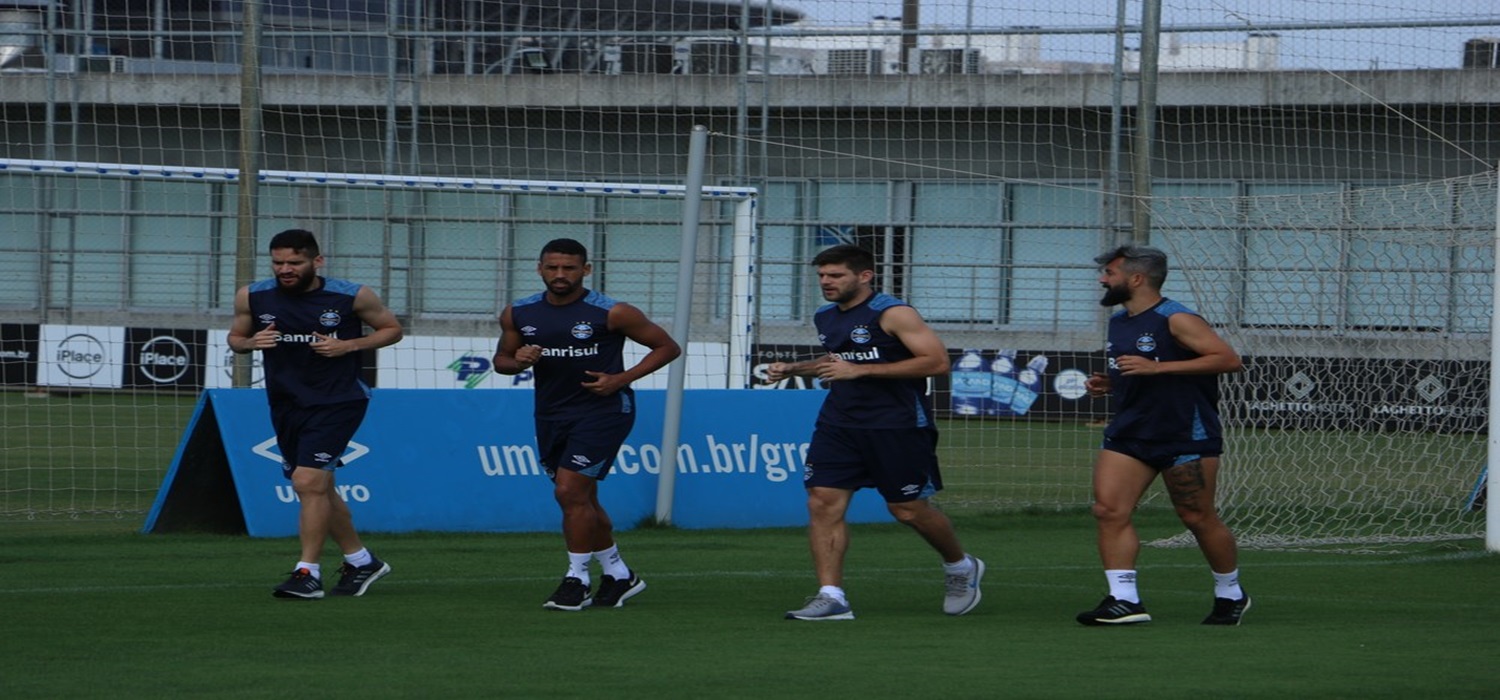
x,y
82,356
157,357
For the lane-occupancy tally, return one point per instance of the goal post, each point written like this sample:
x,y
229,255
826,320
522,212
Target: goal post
x,y
474,240
1492,455
737,226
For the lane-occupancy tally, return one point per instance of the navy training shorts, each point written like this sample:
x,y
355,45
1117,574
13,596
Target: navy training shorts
x,y
900,463
586,445
1162,456
315,436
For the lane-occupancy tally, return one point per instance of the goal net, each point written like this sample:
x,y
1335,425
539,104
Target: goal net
x,y
1319,173
108,388
1364,314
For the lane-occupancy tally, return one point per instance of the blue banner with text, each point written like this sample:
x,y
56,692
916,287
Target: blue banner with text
x,y
455,460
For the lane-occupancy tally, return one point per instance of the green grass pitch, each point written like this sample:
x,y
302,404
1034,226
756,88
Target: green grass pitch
x,y
92,608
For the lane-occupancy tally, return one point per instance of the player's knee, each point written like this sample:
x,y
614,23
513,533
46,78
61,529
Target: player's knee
x,y
1109,512
907,513
569,498
823,507
1197,519
309,482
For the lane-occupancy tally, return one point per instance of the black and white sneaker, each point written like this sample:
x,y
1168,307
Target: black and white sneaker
x,y
354,580
302,584
1113,611
571,595
613,592
1228,611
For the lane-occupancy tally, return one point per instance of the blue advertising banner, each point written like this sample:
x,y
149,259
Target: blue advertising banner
x,y
456,460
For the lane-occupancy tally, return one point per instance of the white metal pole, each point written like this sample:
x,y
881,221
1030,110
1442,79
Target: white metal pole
x,y
671,432
1491,512
742,293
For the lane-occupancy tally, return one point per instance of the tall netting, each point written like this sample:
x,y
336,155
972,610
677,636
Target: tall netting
x,y
1364,311
1302,163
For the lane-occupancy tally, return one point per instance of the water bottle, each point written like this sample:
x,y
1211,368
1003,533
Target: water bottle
x,y
1028,385
971,384
1002,383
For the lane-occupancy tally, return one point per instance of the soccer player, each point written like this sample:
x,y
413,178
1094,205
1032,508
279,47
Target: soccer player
x,y
573,339
875,429
1164,362
310,332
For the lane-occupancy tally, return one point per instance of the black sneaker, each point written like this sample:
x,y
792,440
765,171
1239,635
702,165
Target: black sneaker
x,y
302,584
613,592
572,595
1228,611
353,580
1112,611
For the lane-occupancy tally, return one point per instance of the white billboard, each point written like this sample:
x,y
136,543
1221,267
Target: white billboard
x,y
85,356
436,362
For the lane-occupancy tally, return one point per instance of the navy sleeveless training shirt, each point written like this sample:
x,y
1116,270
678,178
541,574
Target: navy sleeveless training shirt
x,y
855,335
294,373
1164,408
574,338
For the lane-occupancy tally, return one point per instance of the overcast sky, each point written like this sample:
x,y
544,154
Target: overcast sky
x,y
1322,48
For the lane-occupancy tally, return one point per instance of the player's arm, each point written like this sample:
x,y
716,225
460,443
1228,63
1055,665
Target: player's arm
x,y
662,349
385,329
778,371
243,337
511,355
929,355
1214,355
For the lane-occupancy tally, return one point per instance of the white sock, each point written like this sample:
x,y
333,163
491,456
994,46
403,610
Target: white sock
x,y
1122,585
835,593
612,564
360,558
960,567
578,566
312,568
1228,585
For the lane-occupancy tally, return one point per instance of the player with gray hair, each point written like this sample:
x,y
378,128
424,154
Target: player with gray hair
x,y
1164,362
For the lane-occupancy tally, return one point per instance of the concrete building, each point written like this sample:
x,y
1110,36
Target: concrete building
x,y
984,189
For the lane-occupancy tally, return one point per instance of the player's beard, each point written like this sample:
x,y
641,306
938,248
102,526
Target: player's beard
x,y
840,295
1117,294
301,283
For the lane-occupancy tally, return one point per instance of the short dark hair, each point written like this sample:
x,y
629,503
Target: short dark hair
x,y
1151,262
300,240
855,258
565,246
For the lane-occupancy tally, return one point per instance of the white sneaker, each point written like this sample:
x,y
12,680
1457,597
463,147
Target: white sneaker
x,y
963,589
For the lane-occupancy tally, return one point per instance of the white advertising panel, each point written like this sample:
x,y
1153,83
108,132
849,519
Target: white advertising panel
x,y
82,356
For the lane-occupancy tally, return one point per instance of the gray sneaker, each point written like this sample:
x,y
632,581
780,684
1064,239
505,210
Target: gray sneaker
x,y
822,607
963,589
